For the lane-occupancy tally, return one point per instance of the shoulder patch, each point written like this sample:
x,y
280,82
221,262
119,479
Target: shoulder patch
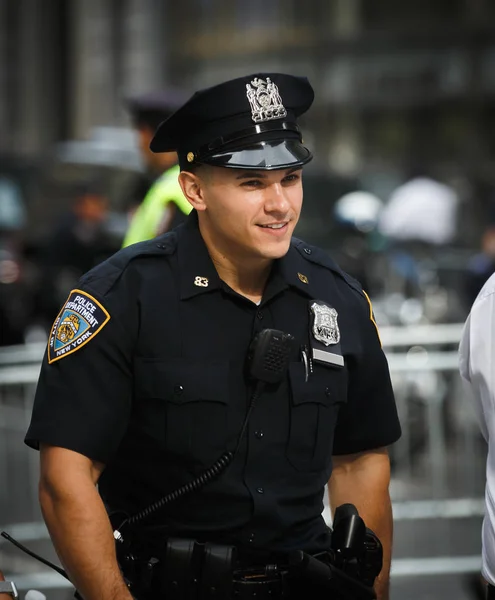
x,y
81,318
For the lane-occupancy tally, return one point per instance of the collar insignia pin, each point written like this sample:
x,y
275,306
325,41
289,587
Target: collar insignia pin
x,y
201,281
303,278
325,326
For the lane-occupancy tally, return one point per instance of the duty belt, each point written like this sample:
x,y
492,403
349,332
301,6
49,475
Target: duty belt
x,y
189,570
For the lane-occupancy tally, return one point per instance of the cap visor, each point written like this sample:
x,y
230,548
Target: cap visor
x,y
268,155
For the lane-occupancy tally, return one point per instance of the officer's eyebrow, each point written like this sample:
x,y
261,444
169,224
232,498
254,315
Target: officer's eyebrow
x,y
262,175
251,175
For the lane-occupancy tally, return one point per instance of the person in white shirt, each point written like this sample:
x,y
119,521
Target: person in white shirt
x,y
476,365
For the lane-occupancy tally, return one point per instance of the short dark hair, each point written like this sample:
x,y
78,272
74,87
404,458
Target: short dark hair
x,y
193,168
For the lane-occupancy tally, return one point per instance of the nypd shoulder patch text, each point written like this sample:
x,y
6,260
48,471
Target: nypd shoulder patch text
x,y
80,319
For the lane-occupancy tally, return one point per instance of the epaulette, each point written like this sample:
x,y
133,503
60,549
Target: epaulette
x,y
320,257
108,272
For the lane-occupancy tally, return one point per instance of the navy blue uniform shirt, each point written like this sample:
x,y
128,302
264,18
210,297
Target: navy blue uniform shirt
x,y
146,372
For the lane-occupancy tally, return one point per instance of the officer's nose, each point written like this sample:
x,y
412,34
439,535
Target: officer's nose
x,y
276,200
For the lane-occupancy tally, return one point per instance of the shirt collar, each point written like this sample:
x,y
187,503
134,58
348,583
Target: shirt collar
x,y
197,271
199,276
296,272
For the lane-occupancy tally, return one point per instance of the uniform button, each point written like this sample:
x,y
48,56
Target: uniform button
x,y
328,392
259,434
308,250
178,389
259,314
251,537
161,246
260,490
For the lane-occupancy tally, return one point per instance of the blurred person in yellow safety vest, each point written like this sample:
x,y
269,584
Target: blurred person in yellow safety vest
x,y
162,204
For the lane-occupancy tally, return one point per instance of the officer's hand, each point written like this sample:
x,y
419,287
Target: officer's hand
x,y
4,596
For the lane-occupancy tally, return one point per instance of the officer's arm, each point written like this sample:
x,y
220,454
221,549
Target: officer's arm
x,y
363,479
78,523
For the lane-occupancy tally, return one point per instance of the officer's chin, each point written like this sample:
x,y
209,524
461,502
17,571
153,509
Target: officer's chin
x,y
276,251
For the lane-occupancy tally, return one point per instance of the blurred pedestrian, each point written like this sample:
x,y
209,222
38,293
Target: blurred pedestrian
x,y
159,201
476,360
77,243
13,296
357,214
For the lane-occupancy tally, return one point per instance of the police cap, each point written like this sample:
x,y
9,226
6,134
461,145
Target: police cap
x,y
247,123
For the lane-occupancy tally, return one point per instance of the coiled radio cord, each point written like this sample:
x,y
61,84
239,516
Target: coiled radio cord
x,y
203,479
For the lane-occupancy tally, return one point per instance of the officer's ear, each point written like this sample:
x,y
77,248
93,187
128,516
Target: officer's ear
x,y
192,185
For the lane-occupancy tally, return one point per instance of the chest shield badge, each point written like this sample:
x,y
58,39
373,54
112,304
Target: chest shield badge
x,y
264,98
325,327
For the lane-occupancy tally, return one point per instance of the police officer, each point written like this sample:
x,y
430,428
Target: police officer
x,y
145,383
161,204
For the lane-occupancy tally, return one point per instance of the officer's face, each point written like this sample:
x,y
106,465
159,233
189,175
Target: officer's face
x,y
250,213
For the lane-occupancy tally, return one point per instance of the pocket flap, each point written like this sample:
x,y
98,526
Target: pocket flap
x,y
182,381
324,386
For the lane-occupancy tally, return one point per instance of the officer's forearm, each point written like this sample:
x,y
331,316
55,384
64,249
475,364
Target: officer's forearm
x,y
363,480
83,537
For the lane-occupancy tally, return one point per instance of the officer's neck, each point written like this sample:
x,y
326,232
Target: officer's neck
x,y
245,276
248,281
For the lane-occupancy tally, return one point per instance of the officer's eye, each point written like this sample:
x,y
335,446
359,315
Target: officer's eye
x,y
292,178
252,183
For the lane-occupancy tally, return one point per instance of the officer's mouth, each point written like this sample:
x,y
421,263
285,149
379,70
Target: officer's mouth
x,y
276,229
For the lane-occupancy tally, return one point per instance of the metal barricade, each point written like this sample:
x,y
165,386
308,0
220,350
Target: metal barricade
x,y
438,465
19,371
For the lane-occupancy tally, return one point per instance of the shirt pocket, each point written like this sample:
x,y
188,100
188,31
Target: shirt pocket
x,y
313,415
191,400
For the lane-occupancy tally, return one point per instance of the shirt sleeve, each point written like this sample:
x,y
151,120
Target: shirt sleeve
x,y
83,397
368,419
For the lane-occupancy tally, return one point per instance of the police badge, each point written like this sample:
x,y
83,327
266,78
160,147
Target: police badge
x,y
325,327
325,332
265,100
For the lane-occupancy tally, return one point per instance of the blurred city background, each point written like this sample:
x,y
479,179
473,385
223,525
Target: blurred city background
x,y
401,192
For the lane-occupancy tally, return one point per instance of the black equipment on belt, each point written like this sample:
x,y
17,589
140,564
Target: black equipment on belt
x,y
189,570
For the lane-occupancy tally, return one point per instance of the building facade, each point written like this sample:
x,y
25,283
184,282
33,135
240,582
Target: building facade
x,y
396,82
